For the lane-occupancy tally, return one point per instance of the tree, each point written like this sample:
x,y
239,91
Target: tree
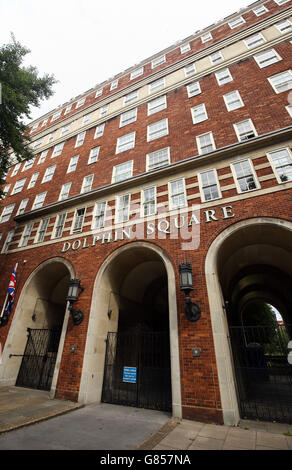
x,y
21,87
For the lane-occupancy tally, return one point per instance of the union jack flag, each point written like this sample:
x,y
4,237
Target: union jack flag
x,y
11,291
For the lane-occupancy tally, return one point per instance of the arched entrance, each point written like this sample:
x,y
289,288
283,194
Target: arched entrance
x,y
37,332
252,263
131,353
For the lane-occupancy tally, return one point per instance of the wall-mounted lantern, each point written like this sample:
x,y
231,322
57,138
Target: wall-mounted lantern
x,y
72,296
192,310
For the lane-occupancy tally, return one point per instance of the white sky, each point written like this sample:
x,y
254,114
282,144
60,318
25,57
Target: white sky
x,y
83,43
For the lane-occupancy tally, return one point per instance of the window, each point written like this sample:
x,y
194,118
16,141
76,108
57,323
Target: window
x,y
206,37
157,159
266,58
281,82
99,131
157,105
58,150
190,70
261,10
45,121
80,103
86,119
245,130
28,164
157,130
148,202
22,206
122,172
216,58
284,26
59,225
49,173
78,220
65,190
39,200
199,113
223,76
205,143
37,143
6,189
56,116
34,127
244,176
177,194
157,85
18,186
16,169
33,180
68,109
42,157
42,230
209,185
104,110
193,89
6,213
80,139
87,183
65,130
281,2
99,215
114,85
131,97
236,22
233,100
51,136
136,73
289,109
185,48
281,162
254,41
125,142
158,61
93,156
26,234
8,241
73,164
122,208
98,93
128,117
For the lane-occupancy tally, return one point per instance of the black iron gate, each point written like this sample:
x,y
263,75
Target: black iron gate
x,y
263,373
39,358
137,370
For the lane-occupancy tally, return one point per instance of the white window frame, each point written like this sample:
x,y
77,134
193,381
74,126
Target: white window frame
x,y
56,115
228,75
202,186
261,10
201,106
238,99
60,218
158,61
37,143
281,2
45,121
104,110
236,177
172,206
98,92
65,191
131,98
65,130
144,203
274,167
206,37
80,103
28,164
196,91
6,213
16,169
80,139
39,200
18,186
51,136
41,231
153,135
68,109
157,85
190,70
128,117
73,164
289,109
58,149
26,234
270,79
156,105
284,26
253,129
85,183
42,157
125,142
136,73
33,180
49,174
22,206
216,60
78,221
99,215
158,165
254,40
34,127
185,48
236,22
93,155
6,189
129,171
99,130
86,119
118,208
114,84
272,60
7,242
199,145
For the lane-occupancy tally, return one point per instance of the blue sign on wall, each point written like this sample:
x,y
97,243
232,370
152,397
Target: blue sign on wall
x,y
130,374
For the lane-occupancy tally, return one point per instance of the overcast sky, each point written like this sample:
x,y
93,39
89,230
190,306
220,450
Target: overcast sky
x,y
83,43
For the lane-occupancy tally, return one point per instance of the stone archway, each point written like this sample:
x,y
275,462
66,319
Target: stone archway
x,y
127,275
237,263
41,306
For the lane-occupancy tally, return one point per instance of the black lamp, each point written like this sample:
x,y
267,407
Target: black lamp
x,y
192,310
72,296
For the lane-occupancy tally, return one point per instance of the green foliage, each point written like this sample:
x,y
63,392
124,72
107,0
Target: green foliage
x,y
21,88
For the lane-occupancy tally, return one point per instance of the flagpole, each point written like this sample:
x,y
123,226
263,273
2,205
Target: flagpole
x,y
5,302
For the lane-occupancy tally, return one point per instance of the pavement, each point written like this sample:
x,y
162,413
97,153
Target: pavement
x,y
30,420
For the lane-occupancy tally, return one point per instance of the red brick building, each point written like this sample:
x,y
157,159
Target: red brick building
x,y
184,157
